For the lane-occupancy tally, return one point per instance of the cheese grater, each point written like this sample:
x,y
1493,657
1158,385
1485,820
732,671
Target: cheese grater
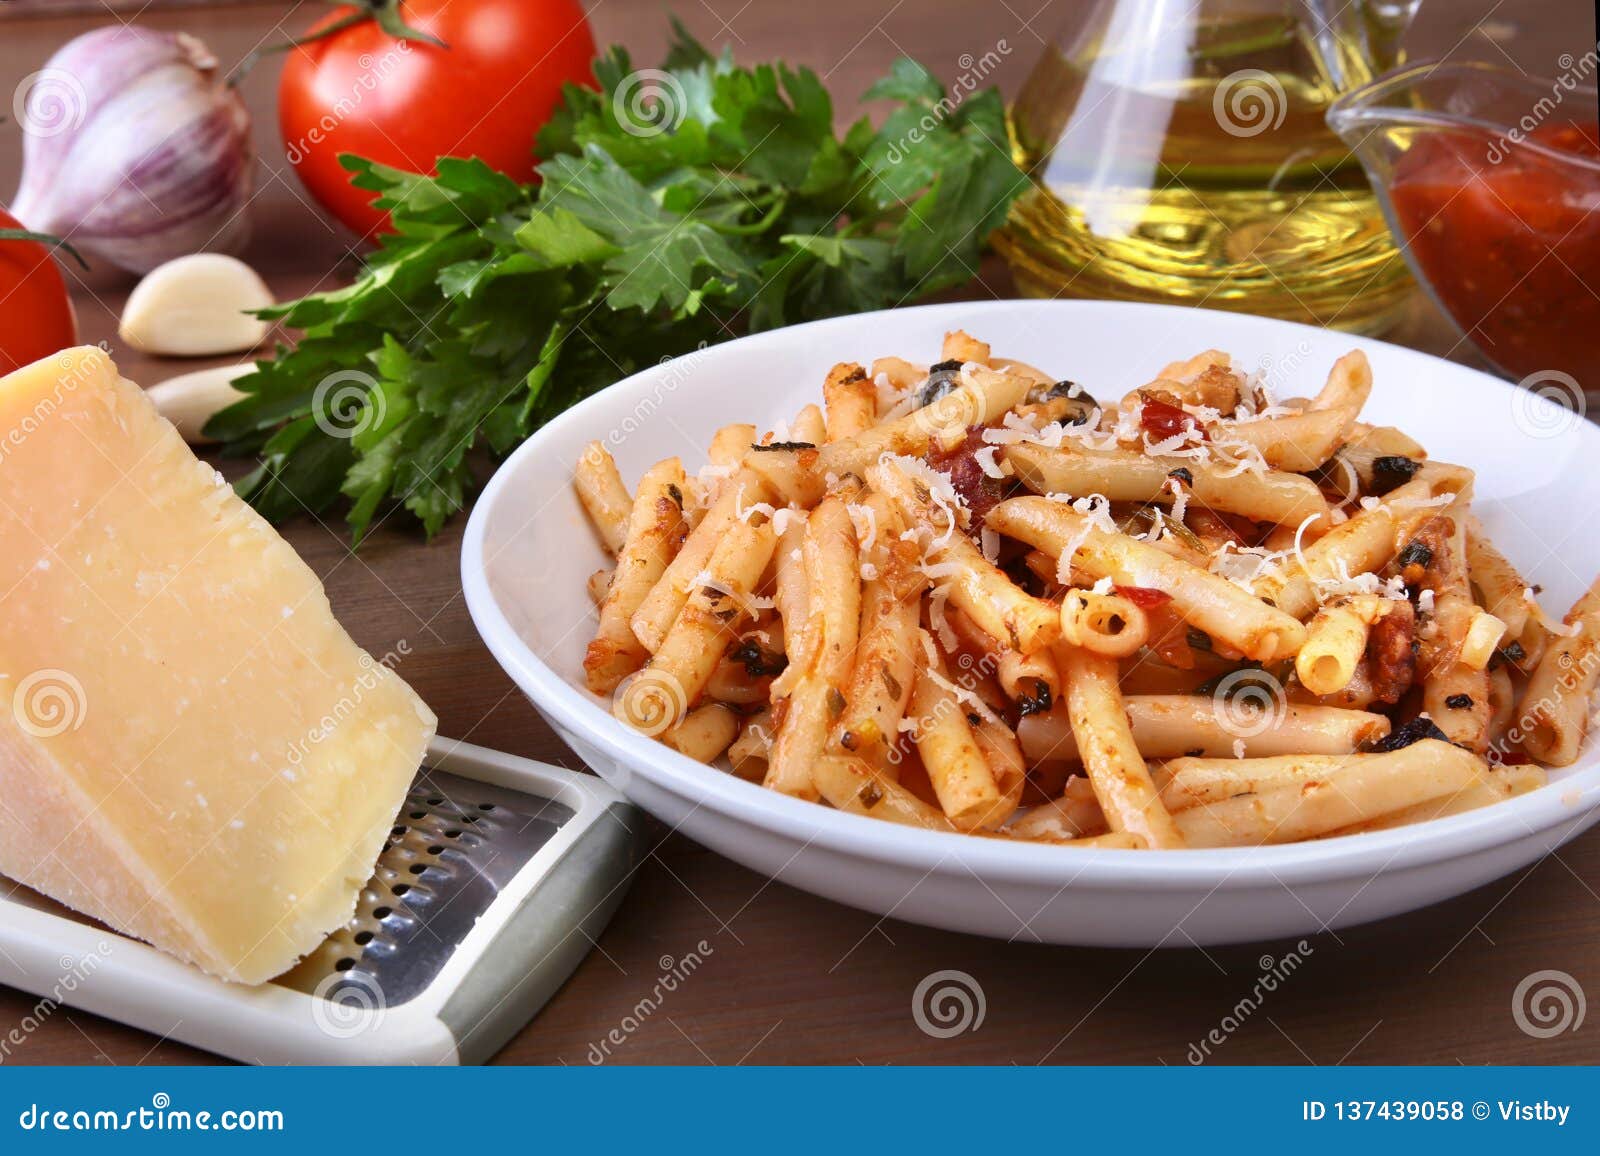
x,y
495,880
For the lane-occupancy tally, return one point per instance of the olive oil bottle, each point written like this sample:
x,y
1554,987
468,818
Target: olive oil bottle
x,y
1179,154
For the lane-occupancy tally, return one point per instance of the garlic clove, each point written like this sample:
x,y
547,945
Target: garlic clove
x,y
190,400
197,306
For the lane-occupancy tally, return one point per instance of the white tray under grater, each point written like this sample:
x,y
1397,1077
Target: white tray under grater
x,y
497,878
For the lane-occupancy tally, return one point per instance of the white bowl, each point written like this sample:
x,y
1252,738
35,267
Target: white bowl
x,y
529,550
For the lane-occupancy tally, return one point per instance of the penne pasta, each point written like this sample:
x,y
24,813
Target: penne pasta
x,y
976,586
704,734
982,397
655,530
1107,624
1218,607
959,346
1336,641
962,778
1554,713
1348,386
1167,726
1502,591
1298,443
851,785
1110,754
1124,476
710,620
605,499
885,664
831,629
850,400
1335,792
970,599
730,443
656,612
750,751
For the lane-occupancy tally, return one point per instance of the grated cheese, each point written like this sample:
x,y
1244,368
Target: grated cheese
x,y
862,515
1096,512
986,462
1180,499
939,620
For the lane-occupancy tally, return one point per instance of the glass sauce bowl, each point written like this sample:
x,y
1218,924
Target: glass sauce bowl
x,y
1490,181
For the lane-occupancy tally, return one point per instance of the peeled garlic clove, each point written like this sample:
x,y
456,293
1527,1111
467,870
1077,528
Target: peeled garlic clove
x,y
197,306
190,400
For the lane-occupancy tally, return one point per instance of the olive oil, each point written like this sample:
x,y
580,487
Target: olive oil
x,y
1201,177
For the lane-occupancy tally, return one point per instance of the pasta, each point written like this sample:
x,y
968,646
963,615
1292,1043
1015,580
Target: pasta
x,y
968,598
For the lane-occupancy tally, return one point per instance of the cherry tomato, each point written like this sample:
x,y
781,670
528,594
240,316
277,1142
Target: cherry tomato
x,y
36,316
406,103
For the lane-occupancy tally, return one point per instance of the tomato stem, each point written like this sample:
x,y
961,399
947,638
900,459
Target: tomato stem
x,y
43,239
384,13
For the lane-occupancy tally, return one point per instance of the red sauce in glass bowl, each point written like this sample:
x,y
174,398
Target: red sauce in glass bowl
x,y
1509,242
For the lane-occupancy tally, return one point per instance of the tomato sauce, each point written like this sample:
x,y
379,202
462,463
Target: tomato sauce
x,y
1509,241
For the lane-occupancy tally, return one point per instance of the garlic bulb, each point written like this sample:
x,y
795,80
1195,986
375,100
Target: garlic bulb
x,y
135,149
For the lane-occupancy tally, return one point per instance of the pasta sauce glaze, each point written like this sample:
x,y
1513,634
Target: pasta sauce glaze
x,y
977,490
1511,248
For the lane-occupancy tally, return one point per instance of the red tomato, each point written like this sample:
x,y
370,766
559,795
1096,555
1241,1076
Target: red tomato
x,y
35,312
408,103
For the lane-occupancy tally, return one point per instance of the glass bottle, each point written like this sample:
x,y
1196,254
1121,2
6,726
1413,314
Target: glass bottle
x,y
1179,154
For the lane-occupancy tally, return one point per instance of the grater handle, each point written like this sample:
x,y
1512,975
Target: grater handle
x,y
554,927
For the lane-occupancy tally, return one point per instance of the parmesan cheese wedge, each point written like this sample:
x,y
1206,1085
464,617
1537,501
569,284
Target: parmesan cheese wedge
x,y
191,748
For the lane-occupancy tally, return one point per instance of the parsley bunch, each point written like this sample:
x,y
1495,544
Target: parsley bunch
x,y
726,204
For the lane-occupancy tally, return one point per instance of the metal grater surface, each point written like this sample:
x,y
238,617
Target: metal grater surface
x,y
456,843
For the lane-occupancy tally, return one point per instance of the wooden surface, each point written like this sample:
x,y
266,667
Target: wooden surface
x,y
795,979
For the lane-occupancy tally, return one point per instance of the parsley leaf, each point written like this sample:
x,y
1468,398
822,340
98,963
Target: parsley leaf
x,y
714,200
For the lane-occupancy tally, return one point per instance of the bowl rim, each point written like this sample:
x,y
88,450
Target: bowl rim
x,y
1568,802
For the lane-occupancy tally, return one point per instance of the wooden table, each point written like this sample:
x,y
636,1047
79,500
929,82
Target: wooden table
x,y
795,979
